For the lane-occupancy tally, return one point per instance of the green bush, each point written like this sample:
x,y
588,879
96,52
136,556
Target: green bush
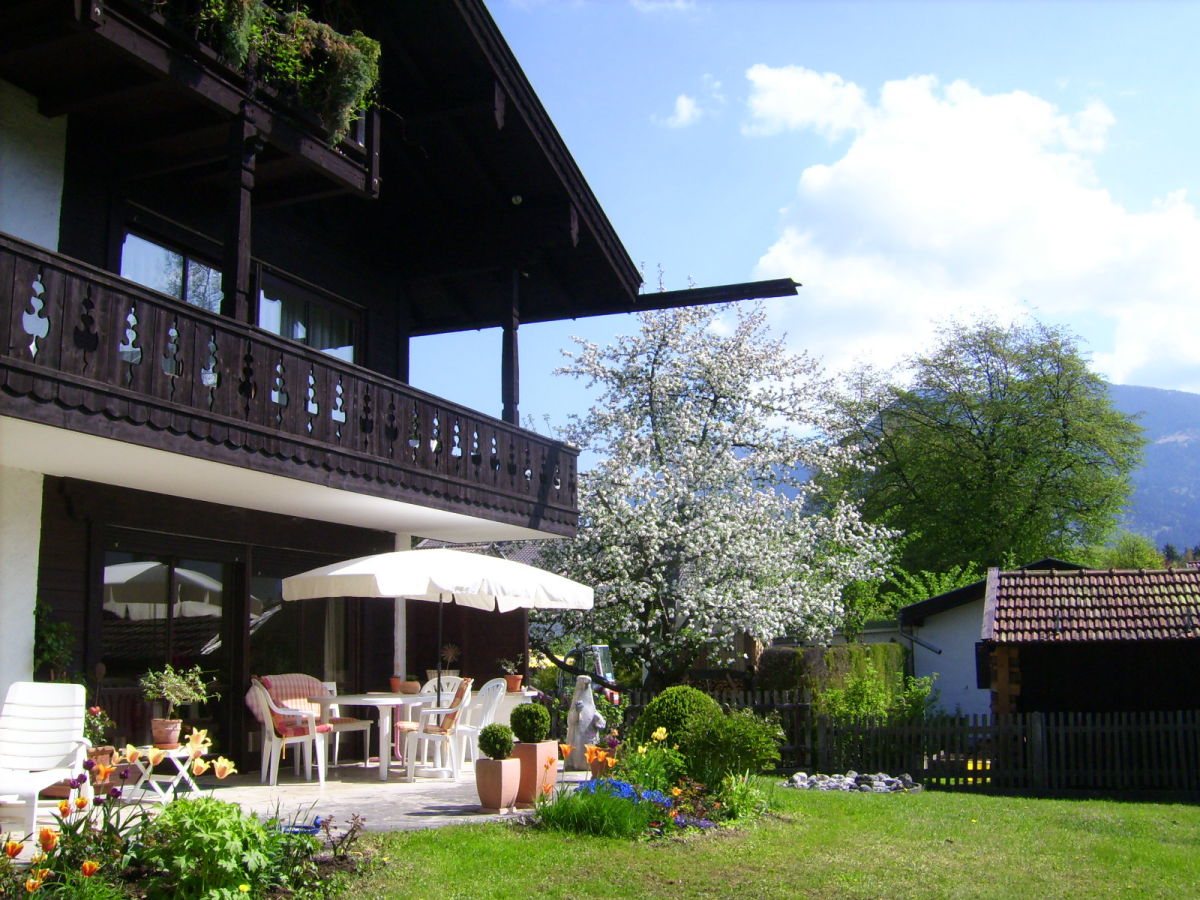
x,y
530,722
203,848
653,766
780,669
673,709
496,741
732,743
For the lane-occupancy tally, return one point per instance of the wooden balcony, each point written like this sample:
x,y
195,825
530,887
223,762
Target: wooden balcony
x,y
85,350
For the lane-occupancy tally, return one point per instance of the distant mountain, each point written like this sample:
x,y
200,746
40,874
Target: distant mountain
x,y
1165,505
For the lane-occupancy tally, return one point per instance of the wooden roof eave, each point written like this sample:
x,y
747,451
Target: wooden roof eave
x,y
524,100
728,293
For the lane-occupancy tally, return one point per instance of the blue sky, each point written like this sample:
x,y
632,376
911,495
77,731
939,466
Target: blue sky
x,y
907,162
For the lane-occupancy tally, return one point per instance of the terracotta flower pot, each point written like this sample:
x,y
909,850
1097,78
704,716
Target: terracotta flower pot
x,y
102,755
165,733
497,781
513,682
535,774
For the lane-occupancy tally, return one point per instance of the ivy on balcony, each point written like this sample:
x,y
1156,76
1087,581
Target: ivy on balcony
x,y
331,74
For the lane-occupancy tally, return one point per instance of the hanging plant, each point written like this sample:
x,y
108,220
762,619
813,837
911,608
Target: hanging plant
x,y
332,74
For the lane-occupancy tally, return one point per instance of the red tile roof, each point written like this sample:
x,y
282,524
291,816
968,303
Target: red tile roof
x,y
1091,605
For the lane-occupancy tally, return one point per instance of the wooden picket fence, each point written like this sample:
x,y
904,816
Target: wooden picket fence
x,y
1151,750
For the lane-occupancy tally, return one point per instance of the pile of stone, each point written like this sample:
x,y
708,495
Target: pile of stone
x,y
879,783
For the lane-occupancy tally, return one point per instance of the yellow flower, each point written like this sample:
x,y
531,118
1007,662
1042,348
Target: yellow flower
x,y
641,748
660,733
676,791
592,753
156,755
89,868
12,849
64,808
199,766
244,888
611,760
223,767
81,802
131,753
32,884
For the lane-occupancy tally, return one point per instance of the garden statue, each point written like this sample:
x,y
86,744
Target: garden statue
x,y
584,724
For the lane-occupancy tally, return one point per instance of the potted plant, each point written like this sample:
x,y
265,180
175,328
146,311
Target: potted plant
x,y
498,776
449,654
97,724
409,685
175,688
512,672
538,755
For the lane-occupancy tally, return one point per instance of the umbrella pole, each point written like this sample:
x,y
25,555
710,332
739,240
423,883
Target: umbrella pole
x,y
438,649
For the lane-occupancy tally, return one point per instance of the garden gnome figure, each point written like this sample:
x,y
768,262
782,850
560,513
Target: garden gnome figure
x,y
584,724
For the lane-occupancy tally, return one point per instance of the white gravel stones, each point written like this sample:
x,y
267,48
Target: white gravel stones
x,y
879,783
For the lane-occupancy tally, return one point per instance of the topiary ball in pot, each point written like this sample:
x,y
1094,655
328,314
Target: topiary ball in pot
x,y
496,741
673,709
530,722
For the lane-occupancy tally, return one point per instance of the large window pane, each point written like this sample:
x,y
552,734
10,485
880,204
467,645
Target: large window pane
x,y
171,272
292,311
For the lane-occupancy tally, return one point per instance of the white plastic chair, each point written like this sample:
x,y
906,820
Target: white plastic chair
x,y
41,741
339,724
401,728
482,713
282,726
439,728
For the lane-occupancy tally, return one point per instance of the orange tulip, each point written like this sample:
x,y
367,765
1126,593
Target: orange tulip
x,y
546,789
89,868
566,750
81,802
48,839
104,772
592,753
32,884
223,767
12,849
64,808
611,760
199,766
156,755
131,753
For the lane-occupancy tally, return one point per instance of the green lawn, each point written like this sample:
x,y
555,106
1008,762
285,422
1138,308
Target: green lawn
x,y
927,844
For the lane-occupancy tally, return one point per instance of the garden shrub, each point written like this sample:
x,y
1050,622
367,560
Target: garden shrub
x,y
673,709
530,722
203,849
496,741
740,798
654,765
732,743
780,669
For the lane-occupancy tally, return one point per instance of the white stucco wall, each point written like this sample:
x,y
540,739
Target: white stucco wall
x,y
20,536
955,632
32,150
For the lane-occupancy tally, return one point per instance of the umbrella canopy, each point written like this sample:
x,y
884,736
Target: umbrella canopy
x,y
442,576
446,576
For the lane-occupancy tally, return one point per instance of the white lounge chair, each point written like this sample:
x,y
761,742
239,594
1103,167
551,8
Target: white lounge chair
x,y
283,726
41,742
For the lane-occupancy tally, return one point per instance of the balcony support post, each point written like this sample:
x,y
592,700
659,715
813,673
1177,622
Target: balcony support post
x,y
510,375
244,145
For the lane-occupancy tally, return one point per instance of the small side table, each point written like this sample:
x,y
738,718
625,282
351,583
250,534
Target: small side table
x,y
163,786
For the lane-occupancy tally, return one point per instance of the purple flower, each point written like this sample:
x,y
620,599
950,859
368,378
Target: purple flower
x,y
98,799
115,793
89,764
124,774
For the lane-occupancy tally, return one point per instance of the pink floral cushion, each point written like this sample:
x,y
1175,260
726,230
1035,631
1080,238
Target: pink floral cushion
x,y
296,729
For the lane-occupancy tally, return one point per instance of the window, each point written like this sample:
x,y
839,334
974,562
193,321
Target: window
x,y
301,314
171,272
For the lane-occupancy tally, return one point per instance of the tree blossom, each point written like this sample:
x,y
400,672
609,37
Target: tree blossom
x,y
698,523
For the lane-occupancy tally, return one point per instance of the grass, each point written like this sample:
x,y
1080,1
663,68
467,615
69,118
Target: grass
x,y
927,844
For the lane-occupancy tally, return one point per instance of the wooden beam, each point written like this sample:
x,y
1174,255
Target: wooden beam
x,y
244,145
510,358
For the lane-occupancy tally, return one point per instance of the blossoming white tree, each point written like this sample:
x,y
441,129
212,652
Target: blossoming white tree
x,y
696,525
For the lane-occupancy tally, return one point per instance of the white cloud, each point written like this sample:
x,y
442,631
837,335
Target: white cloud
x,y
687,112
951,202
656,6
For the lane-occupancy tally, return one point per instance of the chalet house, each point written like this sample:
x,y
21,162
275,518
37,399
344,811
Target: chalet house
x,y
1066,639
206,302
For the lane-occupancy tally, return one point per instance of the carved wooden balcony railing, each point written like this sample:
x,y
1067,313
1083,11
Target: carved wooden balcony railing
x,y
83,348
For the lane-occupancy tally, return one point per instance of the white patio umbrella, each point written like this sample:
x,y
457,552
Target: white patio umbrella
x,y
442,576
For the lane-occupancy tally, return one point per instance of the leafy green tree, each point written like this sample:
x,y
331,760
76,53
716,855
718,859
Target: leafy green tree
x,y
1171,554
1001,444
1126,551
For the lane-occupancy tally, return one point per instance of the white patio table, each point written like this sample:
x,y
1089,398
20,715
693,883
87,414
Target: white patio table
x,y
382,701
163,786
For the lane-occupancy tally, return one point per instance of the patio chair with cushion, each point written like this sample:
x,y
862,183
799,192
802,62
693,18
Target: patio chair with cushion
x,y
339,724
283,726
481,713
401,728
438,728
293,690
41,741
